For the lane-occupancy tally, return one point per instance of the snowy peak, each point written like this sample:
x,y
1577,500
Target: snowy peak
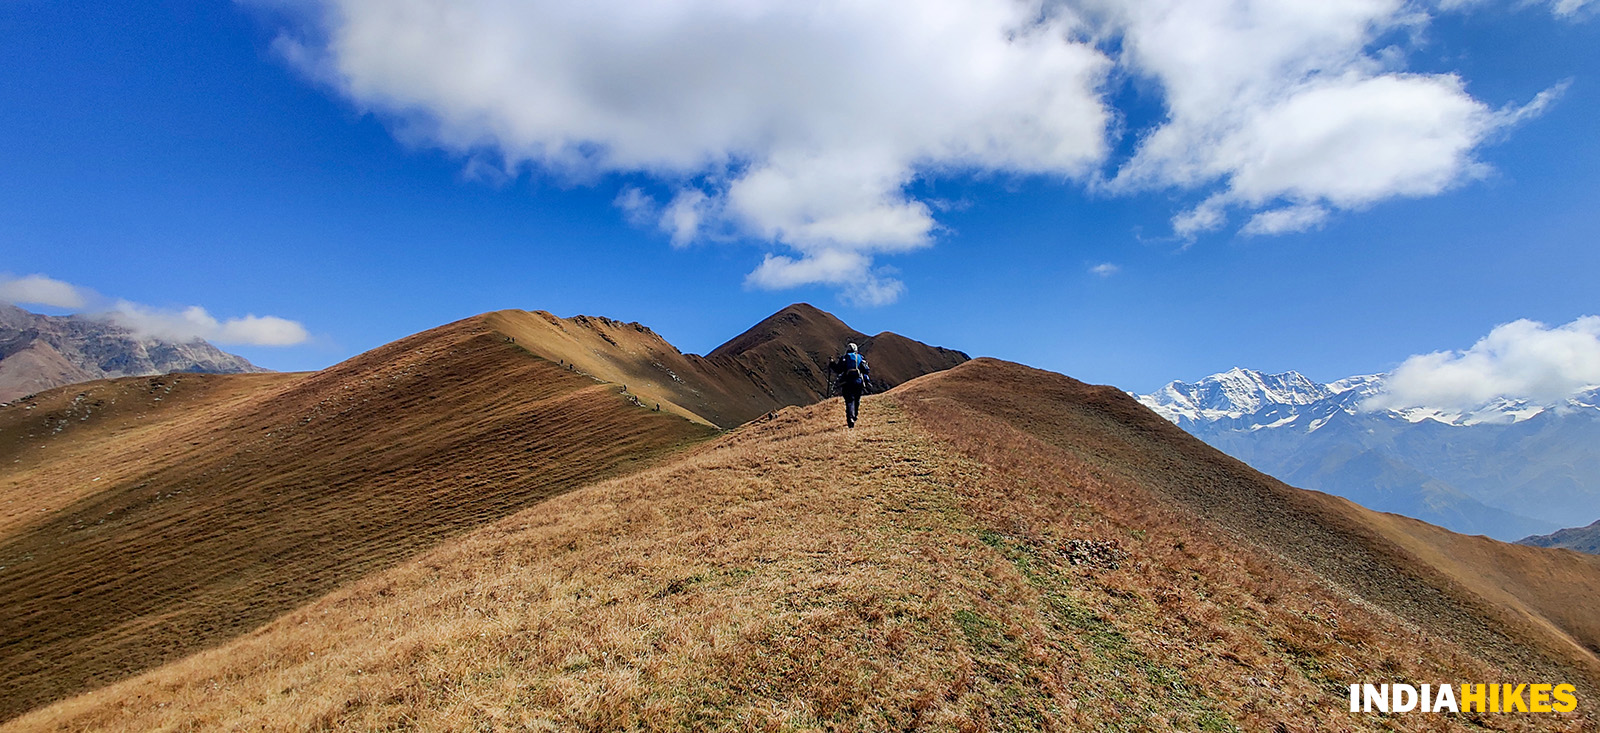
x,y
1247,399
1233,394
1364,385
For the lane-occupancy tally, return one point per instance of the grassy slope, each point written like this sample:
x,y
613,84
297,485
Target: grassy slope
x,y
144,519
1525,606
960,562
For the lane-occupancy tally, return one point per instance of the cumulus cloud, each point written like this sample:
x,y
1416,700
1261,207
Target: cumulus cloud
x,y
796,123
41,290
850,271
1286,106
1521,360
804,125
1105,269
178,326
194,322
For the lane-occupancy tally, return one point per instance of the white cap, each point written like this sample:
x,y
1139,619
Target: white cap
x,y
852,348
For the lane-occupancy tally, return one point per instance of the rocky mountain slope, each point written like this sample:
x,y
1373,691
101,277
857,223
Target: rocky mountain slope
x,y
1506,469
993,548
38,352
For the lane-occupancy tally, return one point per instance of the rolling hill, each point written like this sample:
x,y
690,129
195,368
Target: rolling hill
x,y
994,548
147,518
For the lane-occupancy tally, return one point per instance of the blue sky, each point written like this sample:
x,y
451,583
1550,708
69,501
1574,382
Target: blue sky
x,y
233,157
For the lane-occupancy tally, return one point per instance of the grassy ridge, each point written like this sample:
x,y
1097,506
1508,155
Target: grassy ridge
x,y
166,515
938,568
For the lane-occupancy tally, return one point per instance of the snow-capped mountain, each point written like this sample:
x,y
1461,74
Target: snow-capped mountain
x,y
1292,399
1506,468
1233,394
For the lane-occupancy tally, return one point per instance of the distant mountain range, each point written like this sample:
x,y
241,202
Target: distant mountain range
x,y
1582,539
1507,468
39,352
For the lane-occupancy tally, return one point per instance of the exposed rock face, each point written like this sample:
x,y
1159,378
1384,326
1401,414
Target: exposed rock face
x,y
38,352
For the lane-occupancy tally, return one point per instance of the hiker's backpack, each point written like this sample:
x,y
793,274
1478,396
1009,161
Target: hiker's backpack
x,y
852,369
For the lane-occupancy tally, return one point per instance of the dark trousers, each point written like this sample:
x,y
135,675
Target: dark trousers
x,y
852,405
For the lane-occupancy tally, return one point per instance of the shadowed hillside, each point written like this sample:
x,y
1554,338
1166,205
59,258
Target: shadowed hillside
x,y
144,519
993,548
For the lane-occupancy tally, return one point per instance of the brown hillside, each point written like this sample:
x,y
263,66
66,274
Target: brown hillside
x,y
993,548
1526,608
148,518
144,519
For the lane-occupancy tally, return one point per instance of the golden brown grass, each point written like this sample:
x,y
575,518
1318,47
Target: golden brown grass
x,y
1526,610
146,519
142,520
70,443
916,573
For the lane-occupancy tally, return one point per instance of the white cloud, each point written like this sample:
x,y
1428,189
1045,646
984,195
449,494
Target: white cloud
x,y
1105,269
805,124
682,217
1277,101
1206,217
1287,219
798,123
1523,360
637,206
41,290
848,270
195,322
1567,9
186,324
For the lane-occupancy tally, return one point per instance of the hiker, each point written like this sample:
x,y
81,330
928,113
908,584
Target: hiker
x,y
854,377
